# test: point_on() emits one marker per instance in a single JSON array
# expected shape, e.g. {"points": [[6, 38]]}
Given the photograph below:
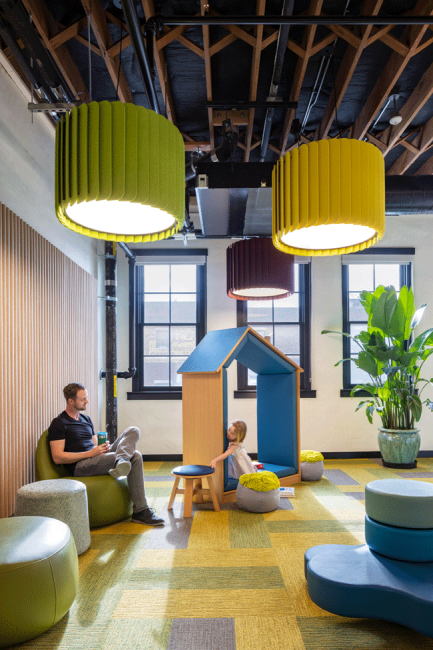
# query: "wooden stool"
{"points": [[191, 473]]}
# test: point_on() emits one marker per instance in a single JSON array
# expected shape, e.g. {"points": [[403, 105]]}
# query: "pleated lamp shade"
{"points": [[120, 173], [256, 270], [328, 198]]}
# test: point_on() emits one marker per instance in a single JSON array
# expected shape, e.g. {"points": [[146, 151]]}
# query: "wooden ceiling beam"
{"points": [[391, 73], [254, 77], [301, 66], [47, 28], [416, 101], [346, 70], [98, 22], [426, 169], [66, 33], [422, 142]]}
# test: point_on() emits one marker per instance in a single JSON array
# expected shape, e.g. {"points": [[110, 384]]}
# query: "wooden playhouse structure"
{"points": [[204, 405]]}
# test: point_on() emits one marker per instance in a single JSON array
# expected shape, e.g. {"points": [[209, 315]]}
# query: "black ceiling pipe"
{"points": [[283, 36], [134, 29], [408, 195], [172, 21]]}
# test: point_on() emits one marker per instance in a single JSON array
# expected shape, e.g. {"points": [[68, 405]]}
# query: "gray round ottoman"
{"points": [[62, 499], [38, 576]]}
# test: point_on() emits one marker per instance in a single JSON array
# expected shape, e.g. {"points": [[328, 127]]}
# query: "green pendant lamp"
{"points": [[120, 173]]}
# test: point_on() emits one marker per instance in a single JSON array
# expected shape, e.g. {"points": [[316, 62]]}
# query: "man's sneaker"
{"points": [[147, 517], [122, 468]]}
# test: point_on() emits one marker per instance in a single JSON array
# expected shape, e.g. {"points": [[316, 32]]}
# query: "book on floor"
{"points": [[287, 492]]}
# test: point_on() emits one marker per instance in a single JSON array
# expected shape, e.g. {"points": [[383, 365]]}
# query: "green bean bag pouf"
{"points": [[258, 492], [38, 576]]}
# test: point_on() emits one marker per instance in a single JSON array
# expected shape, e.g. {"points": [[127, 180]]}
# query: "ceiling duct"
{"points": [[235, 199]]}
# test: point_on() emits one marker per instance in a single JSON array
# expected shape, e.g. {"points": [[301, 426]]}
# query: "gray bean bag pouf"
{"points": [[262, 496]]}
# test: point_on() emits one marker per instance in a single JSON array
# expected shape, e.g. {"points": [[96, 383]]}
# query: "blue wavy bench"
{"points": [[359, 582]]}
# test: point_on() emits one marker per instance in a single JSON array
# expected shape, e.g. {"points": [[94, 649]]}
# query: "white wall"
{"points": [[27, 170], [328, 422]]}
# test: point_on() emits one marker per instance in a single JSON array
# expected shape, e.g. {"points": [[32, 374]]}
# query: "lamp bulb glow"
{"points": [[120, 217], [328, 236]]}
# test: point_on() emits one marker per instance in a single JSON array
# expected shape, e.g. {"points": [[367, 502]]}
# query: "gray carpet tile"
{"points": [[338, 477], [415, 474], [356, 495], [202, 634]]}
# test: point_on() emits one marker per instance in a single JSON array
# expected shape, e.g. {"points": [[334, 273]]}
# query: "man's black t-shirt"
{"points": [[77, 434]]}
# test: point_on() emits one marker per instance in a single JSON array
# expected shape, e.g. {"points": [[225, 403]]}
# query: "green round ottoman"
{"points": [[400, 502], [38, 576]]}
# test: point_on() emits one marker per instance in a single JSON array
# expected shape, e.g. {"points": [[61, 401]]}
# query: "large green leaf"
{"points": [[426, 338], [383, 310], [415, 406], [417, 317], [407, 302], [397, 322], [367, 363], [384, 352]]}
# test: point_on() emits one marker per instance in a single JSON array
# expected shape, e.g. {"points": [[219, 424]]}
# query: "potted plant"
{"points": [[394, 363]]}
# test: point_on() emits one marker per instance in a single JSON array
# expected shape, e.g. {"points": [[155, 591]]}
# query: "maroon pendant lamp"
{"points": [[256, 270]]}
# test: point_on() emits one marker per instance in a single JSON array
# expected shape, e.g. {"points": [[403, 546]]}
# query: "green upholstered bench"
{"points": [[108, 500], [38, 576]]}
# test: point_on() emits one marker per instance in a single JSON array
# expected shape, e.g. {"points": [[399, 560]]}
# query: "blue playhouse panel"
{"points": [[212, 350], [277, 421], [261, 359]]}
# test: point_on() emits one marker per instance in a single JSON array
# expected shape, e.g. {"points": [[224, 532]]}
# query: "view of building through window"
{"points": [[169, 321], [357, 278]]}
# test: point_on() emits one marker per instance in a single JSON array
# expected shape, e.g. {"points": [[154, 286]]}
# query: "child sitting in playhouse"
{"points": [[238, 460]]}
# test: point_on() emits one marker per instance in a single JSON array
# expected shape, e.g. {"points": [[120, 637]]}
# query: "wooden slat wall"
{"points": [[48, 338]]}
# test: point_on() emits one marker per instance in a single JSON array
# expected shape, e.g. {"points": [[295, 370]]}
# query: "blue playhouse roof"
{"points": [[220, 348]]}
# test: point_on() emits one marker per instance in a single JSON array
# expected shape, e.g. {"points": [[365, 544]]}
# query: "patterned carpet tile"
{"points": [[267, 633], [336, 633], [360, 496], [203, 603], [202, 634], [338, 477], [267, 577], [211, 558], [248, 530], [143, 634]]}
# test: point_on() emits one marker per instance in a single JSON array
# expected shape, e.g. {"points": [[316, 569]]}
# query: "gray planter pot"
{"points": [[399, 448]]}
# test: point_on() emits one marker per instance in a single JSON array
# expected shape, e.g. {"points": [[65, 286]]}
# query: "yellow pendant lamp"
{"points": [[120, 173], [328, 198]]}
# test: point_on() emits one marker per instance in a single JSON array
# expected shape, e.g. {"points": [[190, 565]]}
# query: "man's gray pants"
{"points": [[123, 447]]}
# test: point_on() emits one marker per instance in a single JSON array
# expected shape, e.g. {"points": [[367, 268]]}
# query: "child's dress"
{"points": [[239, 462]]}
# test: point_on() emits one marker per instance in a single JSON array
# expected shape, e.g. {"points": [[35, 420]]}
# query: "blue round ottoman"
{"points": [[400, 502], [38, 576]]}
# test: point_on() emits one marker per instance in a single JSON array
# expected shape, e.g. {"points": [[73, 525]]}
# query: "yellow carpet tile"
{"points": [[203, 603]]}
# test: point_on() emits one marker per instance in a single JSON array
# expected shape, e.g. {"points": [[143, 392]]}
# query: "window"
{"points": [[170, 312], [287, 322], [366, 271]]}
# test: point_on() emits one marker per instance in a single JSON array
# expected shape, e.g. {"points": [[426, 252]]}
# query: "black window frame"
{"points": [[379, 256], [136, 289], [244, 390]]}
